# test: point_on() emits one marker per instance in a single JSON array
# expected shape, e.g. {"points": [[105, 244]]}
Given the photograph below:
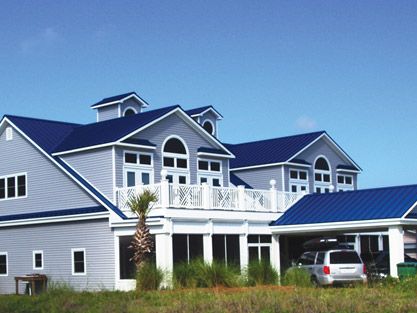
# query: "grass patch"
{"points": [[297, 277], [149, 277], [261, 273]]}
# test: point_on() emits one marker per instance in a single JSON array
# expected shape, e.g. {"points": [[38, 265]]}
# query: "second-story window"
{"points": [[175, 160], [13, 186], [210, 172], [344, 182], [298, 180], [322, 176], [138, 168]]}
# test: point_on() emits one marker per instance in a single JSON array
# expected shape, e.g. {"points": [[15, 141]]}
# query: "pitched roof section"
{"points": [[237, 181], [110, 130], [47, 134], [201, 110], [358, 205], [270, 151], [118, 98]]}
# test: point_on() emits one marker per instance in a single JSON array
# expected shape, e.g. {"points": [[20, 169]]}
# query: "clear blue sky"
{"points": [[272, 68]]}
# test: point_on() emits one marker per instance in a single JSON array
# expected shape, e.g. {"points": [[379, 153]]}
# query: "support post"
{"points": [[241, 197], [206, 196], [164, 256], [275, 254], [274, 199], [358, 244], [164, 190], [207, 248], [243, 247], [396, 248]]}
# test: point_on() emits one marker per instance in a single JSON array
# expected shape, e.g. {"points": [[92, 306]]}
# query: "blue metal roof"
{"points": [[47, 134], [358, 205], [109, 130], [140, 142], [237, 181], [200, 110], [54, 213], [213, 151], [346, 167], [117, 98], [271, 150]]}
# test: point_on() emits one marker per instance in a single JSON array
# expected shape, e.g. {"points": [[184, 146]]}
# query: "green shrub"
{"points": [[261, 273], [297, 277], [199, 274], [149, 277]]}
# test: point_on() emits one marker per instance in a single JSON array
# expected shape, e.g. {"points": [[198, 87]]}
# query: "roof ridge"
{"points": [[41, 119], [276, 138], [202, 107]]}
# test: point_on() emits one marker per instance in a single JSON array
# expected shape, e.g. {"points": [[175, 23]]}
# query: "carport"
{"points": [[390, 209]]}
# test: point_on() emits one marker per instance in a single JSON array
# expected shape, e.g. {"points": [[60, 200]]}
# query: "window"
{"points": [[210, 166], [209, 127], [210, 172], [187, 247], [226, 249], [322, 176], [38, 260], [174, 145], [344, 257], [135, 158], [9, 133], [138, 169], [259, 247], [78, 262], [320, 258], [13, 186], [175, 154], [3, 264], [129, 111], [344, 182], [298, 181]]}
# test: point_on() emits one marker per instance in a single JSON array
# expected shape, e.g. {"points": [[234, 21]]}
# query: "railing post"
{"points": [[241, 197], [164, 190], [274, 200], [206, 196]]}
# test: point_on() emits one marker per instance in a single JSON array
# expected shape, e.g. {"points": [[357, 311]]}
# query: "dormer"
{"points": [[119, 106], [207, 117]]}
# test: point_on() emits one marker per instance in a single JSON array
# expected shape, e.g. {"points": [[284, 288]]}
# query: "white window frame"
{"points": [[209, 174], [176, 171], [322, 184], [297, 181], [9, 133], [7, 263], [260, 244], [137, 167], [16, 186], [212, 125], [129, 108], [137, 153], [34, 253], [344, 186], [73, 264]]}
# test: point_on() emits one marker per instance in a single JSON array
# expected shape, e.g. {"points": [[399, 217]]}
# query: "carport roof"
{"points": [[377, 204]]}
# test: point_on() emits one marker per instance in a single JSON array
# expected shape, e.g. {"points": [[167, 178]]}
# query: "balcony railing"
{"points": [[211, 198]]}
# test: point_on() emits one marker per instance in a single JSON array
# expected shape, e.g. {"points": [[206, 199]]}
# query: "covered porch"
{"points": [[389, 211]]}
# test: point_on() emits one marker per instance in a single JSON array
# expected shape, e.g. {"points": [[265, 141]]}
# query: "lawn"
{"points": [[392, 297]]}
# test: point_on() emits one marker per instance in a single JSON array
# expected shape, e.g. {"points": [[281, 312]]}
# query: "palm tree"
{"points": [[142, 243]]}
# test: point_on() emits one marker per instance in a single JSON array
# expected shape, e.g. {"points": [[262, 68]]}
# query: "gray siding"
{"points": [[108, 112], [259, 178], [130, 103], [95, 166], [322, 147], [172, 125], [49, 188], [56, 241]]}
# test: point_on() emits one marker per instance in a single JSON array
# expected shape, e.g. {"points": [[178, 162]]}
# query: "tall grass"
{"points": [[149, 277], [297, 277], [261, 273]]}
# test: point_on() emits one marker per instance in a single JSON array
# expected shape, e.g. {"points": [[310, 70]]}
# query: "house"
{"points": [[64, 189]]}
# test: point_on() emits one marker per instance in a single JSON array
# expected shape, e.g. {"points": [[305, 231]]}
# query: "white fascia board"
{"points": [[57, 164], [55, 219], [224, 156], [131, 145], [144, 104], [257, 166], [219, 117], [336, 226], [340, 170], [297, 164]]}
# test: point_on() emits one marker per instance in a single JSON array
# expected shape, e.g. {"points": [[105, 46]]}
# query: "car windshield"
{"points": [[344, 257]]}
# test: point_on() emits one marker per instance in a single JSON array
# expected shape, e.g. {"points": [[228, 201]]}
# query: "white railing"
{"points": [[207, 197]]}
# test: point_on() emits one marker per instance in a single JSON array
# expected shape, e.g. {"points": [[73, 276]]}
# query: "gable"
{"points": [[48, 187]]}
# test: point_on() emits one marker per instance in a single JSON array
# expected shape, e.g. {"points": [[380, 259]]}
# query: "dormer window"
{"points": [[129, 111], [209, 127], [322, 175]]}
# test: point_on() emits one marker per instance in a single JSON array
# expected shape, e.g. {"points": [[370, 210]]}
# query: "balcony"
{"points": [[206, 197]]}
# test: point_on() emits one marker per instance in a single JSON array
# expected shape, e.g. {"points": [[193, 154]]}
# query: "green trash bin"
{"points": [[407, 269]]}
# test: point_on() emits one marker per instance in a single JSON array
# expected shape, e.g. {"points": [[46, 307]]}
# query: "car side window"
{"points": [[307, 258], [320, 258]]}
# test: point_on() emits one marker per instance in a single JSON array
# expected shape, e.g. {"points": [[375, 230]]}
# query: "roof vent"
{"points": [[9, 133]]}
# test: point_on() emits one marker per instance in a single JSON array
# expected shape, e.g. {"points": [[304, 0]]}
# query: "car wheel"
{"points": [[314, 281]]}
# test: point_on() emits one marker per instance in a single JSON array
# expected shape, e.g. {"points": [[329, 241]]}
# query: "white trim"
{"points": [[217, 155], [340, 170], [410, 209], [138, 164], [132, 145], [219, 117], [73, 250], [113, 171], [212, 126], [175, 156], [344, 186], [84, 149], [142, 102], [6, 189], [7, 263], [283, 178], [129, 108], [298, 164], [34, 259], [138, 174], [209, 161], [299, 183], [265, 165]]}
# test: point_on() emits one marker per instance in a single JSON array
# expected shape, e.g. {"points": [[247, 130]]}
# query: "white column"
{"points": [[358, 244], [243, 247], [396, 248], [164, 256], [274, 199], [241, 197], [164, 190], [206, 196], [207, 248], [380, 242], [275, 254]]}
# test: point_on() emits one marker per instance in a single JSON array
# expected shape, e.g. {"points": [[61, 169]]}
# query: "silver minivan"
{"points": [[335, 266]]}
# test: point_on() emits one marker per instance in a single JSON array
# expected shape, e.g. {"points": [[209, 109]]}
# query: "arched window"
{"points": [[175, 154], [322, 175], [208, 126], [129, 111], [174, 145]]}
